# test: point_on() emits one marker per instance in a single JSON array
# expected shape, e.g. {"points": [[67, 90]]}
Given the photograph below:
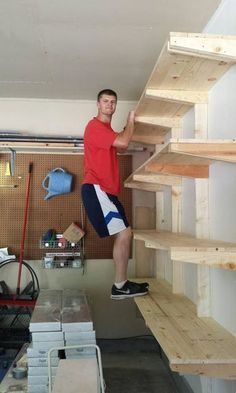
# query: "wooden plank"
{"points": [[196, 171], [216, 47], [223, 150], [202, 231], [148, 139], [140, 175], [193, 345], [143, 186], [190, 157], [160, 222], [224, 260], [36, 144], [202, 218], [56, 149], [186, 97], [170, 241], [166, 180], [201, 120], [159, 121], [144, 257], [181, 72], [188, 249], [177, 267], [149, 134]]}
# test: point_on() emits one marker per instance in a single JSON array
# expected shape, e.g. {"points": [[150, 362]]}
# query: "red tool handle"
{"points": [[22, 246]]}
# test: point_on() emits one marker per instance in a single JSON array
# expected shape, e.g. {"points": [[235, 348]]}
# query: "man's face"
{"points": [[107, 104]]}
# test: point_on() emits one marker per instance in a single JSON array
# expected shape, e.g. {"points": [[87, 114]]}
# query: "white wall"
{"points": [[222, 183], [54, 117]]}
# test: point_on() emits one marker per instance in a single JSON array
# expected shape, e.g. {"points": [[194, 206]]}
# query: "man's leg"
{"points": [[121, 251], [122, 287]]}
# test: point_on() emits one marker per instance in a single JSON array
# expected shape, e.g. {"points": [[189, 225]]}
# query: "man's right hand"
{"points": [[131, 117]]}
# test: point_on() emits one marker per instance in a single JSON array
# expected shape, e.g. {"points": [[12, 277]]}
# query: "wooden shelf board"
{"points": [[186, 248], [160, 121], [148, 139], [149, 134], [218, 150], [130, 183], [186, 70], [218, 47], [178, 96], [191, 157], [193, 345], [165, 180], [182, 168]]}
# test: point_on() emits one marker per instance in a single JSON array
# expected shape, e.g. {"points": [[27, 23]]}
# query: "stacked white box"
{"points": [[45, 328], [60, 318], [77, 324]]}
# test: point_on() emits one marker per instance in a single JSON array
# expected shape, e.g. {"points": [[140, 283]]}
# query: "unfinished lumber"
{"points": [[193, 345], [185, 97], [148, 177], [144, 257], [139, 185], [186, 70], [190, 157], [211, 46], [186, 248]]}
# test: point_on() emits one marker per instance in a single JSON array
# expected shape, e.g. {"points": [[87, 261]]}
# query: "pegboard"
{"points": [[56, 213]]}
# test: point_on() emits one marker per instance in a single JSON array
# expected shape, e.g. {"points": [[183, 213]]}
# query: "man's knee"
{"points": [[125, 235]]}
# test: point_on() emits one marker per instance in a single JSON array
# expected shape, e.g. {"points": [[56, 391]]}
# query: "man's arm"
{"points": [[123, 138]]}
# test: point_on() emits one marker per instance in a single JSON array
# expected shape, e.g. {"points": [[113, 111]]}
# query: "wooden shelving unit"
{"points": [[186, 70], [193, 345], [186, 248]]}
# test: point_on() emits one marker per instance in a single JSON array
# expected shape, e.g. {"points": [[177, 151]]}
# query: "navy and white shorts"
{"points": [[105, 212]]}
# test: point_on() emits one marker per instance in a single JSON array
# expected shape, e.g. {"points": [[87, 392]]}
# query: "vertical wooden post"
{"points": [[178, 284], [202, 217], [160, 259], [144, 257]]}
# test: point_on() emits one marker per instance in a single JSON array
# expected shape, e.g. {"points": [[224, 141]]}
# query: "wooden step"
{"points": [[193, 345], [186, 248]]}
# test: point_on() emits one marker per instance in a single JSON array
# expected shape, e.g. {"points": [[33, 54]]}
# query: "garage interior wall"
{"points": [[70, 117]]}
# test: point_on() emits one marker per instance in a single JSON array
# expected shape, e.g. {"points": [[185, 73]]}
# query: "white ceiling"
{"points": [[70, 49]]}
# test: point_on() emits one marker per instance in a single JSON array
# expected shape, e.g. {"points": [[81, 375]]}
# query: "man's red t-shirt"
{"points": [[100, 157]]}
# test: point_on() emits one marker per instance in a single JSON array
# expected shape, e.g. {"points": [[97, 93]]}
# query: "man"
{"points": [[101, 185]]}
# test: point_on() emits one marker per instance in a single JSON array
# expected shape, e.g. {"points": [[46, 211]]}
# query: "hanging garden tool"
{"points": [[22, 246], [27, 297]]}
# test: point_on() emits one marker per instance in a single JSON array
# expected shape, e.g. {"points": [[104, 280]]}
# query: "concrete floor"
{"points": [[135, 366]]}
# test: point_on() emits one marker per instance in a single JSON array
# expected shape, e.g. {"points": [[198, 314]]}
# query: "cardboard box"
{"points": [[73, 233]]}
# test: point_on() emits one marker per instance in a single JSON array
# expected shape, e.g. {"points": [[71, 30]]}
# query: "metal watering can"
{"points": [[57, 182]]}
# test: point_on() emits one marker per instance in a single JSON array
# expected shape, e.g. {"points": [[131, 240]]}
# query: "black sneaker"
{"points": [[129, 289], [143, 284]]}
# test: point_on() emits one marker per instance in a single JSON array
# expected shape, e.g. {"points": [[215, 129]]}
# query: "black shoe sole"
{"points": [[121, 297]]}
